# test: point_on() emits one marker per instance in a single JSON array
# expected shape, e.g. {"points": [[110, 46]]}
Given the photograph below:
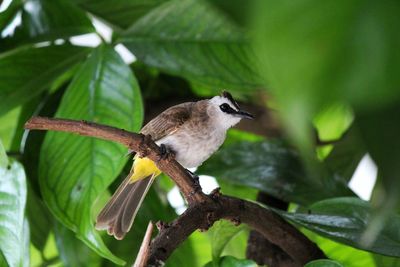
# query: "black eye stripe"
{"points": [[226, 108], [229, 96]]}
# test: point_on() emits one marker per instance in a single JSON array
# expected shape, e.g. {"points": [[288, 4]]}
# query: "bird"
{"points": [[192, 131]]}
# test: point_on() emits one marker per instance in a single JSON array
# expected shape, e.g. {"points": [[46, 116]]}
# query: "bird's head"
{"points": [[226, 110]]}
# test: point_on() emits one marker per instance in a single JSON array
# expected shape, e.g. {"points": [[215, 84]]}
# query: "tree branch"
{"points": [[203, 209]]}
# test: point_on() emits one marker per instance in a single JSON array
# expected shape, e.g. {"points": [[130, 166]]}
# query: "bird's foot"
{"points": [[196, 184], [166, 153]]}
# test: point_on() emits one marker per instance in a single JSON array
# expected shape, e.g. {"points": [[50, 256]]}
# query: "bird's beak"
{"points": [[245, 115]]}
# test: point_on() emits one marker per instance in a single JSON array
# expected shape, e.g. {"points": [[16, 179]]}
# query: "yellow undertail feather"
{"points": [[142, 168], [118, 214]]}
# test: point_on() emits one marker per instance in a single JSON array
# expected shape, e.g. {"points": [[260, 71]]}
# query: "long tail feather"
{"points": [[119, 213]]}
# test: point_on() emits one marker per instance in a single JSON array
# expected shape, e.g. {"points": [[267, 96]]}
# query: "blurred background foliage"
{"points": [[322, 78]]}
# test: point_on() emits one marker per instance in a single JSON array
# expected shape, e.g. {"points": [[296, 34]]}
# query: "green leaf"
{"points": [[13, 199], [346, 154], [323, 263], [190, 39], [74, 170], [272, 167], [384, 261], [8, 127], [3, 156], [229, 261], [316, 54], [39, 219], [73, 252], [121, 13], [346, 255], [345, 220], [28, 71], [8, 15], [379, 129], [220, 235], [39, 22]]}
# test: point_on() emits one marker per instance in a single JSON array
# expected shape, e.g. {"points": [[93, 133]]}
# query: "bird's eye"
{"points": [[224, 107]]}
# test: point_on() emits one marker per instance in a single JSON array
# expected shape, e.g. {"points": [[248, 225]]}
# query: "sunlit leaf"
{"points": [[345, 220], [26, 72], [13, 233], [190, 39], [220, 234], [75, 170]]}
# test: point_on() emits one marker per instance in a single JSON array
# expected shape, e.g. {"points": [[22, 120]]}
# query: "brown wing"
{"points": [[168, 121]]}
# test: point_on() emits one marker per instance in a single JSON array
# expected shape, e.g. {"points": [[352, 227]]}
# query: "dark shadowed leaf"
{"points": [[346, 154], [237, 10], [39, 23], [74, 170], [380, 129], [28, 71], [39, 217], [345, 220], [13, 233], [189, 38], [323, 263], [272, 167], [73, 252], [120, 13]]}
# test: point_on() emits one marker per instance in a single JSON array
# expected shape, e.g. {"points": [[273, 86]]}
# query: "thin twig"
{"points": [[144, 251]]}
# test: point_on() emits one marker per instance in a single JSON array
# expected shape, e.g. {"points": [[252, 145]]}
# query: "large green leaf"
{"points": [[316, 53], [47, 20], [121, 13], [345, 220], [190, 39], [271, 167], [13, 233], [75, 170], [28, 71]]}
